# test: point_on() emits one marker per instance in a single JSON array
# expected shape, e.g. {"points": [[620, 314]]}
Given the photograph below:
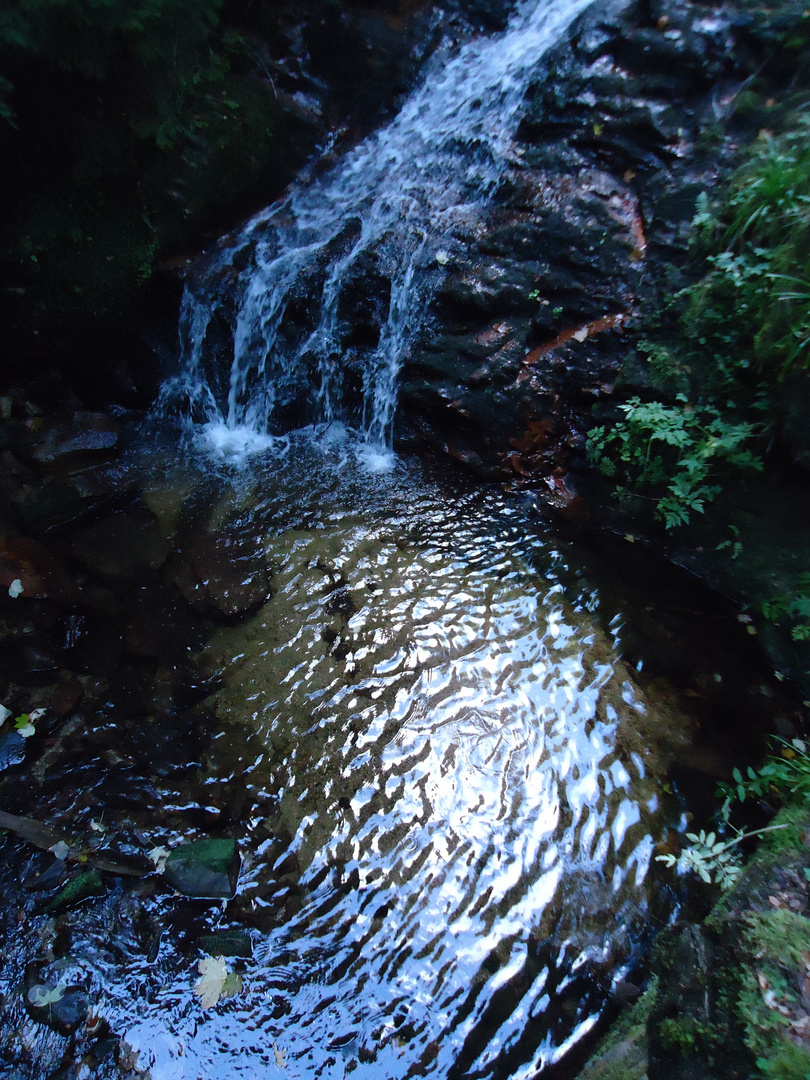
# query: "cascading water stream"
{"points": [[266, 323]]}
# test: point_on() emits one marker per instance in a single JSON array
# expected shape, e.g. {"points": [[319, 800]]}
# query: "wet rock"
{"points": [[206, 869], [39, 668], [95, 643], [12, 750], [40, 575], [123, 545], [87, 885], [228, 943], [65, 696], [44, 874], [64, 1009], [76, 442], [599, 195]]}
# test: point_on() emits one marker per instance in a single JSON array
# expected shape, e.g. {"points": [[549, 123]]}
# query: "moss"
{"points": [[685, 1033], [793, 838], [770, 1002], [622, 1054]]}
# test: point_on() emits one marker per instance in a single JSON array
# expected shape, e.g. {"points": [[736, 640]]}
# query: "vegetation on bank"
{"points": [[725, 371], [742, 334]]}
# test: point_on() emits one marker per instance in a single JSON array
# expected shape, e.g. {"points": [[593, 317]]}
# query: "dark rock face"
{"points": [[530, 323]]}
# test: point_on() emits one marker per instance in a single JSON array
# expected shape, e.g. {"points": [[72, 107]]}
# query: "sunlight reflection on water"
{"points": [[461, 767]]}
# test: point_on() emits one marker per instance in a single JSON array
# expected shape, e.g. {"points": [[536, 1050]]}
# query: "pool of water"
{"points": [[445, 752], [455, 781]]}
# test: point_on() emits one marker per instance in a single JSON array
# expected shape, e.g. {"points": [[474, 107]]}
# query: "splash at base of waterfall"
{"points": [[334, 443]]}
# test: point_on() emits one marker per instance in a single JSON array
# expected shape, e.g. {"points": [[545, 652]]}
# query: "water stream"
{"points": [[458, 772]]}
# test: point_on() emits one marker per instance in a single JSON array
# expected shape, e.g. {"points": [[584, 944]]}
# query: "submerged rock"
{"points": [[87, 885], [122, 545], [205, 869], [222, 574], [64, 1009]]}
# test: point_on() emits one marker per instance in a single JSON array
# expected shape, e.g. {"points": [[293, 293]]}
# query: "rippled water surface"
{"points": [[455, 780]]}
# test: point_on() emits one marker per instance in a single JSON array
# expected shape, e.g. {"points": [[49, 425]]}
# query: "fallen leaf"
{"points": [[24, 726], [40, 995], [15, 589], [215, 981], [213, 973], [159, 855], [60, 850]]}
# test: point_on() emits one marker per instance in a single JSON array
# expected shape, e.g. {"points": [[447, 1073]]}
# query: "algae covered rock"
{"points": [[205, 869]]}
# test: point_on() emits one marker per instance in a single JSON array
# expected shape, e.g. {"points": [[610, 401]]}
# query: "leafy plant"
{"points": [[794, 607], [786, 774], [755, 299], [714, 861], [673, 451]]}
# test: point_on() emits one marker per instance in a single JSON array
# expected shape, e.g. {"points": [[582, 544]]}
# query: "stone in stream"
{"points": [[64, 1009], [12, 749], [123, 545], [83, 439], [205, 869], [88, 885], [222, 574]]}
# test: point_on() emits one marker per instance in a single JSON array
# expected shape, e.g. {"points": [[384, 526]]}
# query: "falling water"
{"points": [[266, 324]]}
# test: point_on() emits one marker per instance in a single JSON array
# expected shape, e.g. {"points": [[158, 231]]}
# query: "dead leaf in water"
{"points": [[40, 995], [215, 981]]}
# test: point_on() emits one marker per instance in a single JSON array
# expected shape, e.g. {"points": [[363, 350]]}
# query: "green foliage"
{"points": [[784, 774], [753, 306], [121, 126], [713, 860], [685, 1034], [795, 608], [672, 451]]}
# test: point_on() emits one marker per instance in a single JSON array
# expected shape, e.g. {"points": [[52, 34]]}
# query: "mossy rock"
{"points": [[205, 869], [622, 1054], [734, 993]]}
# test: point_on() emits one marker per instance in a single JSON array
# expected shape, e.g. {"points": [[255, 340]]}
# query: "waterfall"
{"points": [[271, 337]]}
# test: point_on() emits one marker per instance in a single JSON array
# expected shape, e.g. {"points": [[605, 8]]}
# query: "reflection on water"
{"points": [[456, 777]]}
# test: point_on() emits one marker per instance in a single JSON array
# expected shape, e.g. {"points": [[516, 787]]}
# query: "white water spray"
{"points": [[266, 327]]}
